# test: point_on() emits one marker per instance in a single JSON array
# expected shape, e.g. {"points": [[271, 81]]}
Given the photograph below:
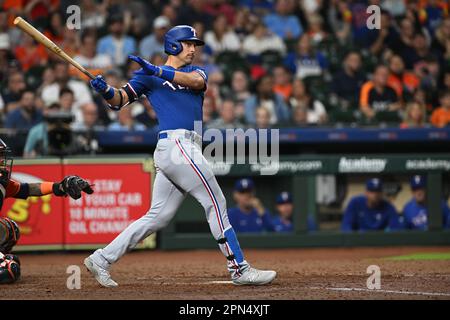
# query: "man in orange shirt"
{"points": [[376, 95], [403, 82], [283, 84], [441, 116]]}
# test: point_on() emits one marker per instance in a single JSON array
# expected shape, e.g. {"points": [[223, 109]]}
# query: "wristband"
{"points": [[46, 188], [108, 94], [166, 74], [57, 191]]}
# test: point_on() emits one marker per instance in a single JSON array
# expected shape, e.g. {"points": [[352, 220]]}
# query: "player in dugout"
{"points": [[370, 211], [416, 212]]}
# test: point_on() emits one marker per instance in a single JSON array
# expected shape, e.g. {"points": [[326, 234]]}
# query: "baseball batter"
{"points": [[176, 92]]}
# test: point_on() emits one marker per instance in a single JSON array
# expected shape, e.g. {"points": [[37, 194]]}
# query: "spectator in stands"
{"points": [[37, 139], [126, 122], [315, 30], [50, 93], [192, 11], [441, 116], [221, 7], [441, 42], [385, 37], [261, 40], [403, 82], [154, 43], [12, 93], [239, 92], [94, 14], [227, 117], [66, 99], [339, 18], [283, 82], [30, 53], [70, 43], [370, 211], [302, 98], [207, 110], [148, 116], [90, 118], [243, 24], [376, 95], [305, 62], [431, 13], [415, 116], [265, 97], [222, 37], [415, 211], [249, 215], [26, 115], [283, 23], [55, 30], [419, 54], [95, 63], [347, 82], [116, 44], [299, 117], [262, 116]]}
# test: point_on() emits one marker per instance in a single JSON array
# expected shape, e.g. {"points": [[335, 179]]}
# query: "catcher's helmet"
{"points": [[6, 159], [173, 38]]}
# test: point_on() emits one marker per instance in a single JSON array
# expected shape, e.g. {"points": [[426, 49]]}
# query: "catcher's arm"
{"points": [[71, 186]]}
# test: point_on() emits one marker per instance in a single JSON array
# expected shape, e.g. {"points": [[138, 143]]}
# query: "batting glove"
{"points": [[99, 84], [147, 67]]}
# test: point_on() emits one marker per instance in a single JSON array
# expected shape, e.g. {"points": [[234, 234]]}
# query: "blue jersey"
{"points": [[176, 107], [416, 215], [358, 216], [282, 225], [249, 222]]}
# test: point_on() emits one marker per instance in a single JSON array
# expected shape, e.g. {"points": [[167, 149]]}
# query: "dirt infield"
{"points": [[302, 274]]}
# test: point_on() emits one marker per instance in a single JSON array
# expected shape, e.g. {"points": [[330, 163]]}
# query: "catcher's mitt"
{"points": [[9, 234], [72, 186]]}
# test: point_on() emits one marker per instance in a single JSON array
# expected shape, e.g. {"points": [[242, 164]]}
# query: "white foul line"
{"points": [[388, 291]]}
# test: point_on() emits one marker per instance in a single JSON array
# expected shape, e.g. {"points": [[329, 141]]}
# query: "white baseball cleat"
{"points": [[255, 277], [101, 275]]}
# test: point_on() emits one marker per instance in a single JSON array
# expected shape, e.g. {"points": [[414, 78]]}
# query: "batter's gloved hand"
{"points": [[99, 84], [147, 68], [72, 186]]}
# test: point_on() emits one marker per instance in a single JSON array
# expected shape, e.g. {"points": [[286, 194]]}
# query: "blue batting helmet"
{"points": [[173, 38]]}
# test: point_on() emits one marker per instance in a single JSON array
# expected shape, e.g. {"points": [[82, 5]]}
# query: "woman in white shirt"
{"points": [[222, 38], [263, 40], [316, 112]]}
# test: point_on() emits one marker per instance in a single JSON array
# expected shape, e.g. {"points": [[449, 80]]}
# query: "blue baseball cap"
{"points": [[284, 197], [418, 182], [374, 185], [244, 185]]}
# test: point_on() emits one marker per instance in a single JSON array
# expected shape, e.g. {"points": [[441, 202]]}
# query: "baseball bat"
{"points": [[50, 45]]}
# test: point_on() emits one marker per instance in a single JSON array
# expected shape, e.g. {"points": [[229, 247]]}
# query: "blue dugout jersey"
{"points": [[359, 217], [416, 215], [250, 222]]}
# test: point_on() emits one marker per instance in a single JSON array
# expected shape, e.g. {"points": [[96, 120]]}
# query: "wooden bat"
{"points": [[50, 45]]}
